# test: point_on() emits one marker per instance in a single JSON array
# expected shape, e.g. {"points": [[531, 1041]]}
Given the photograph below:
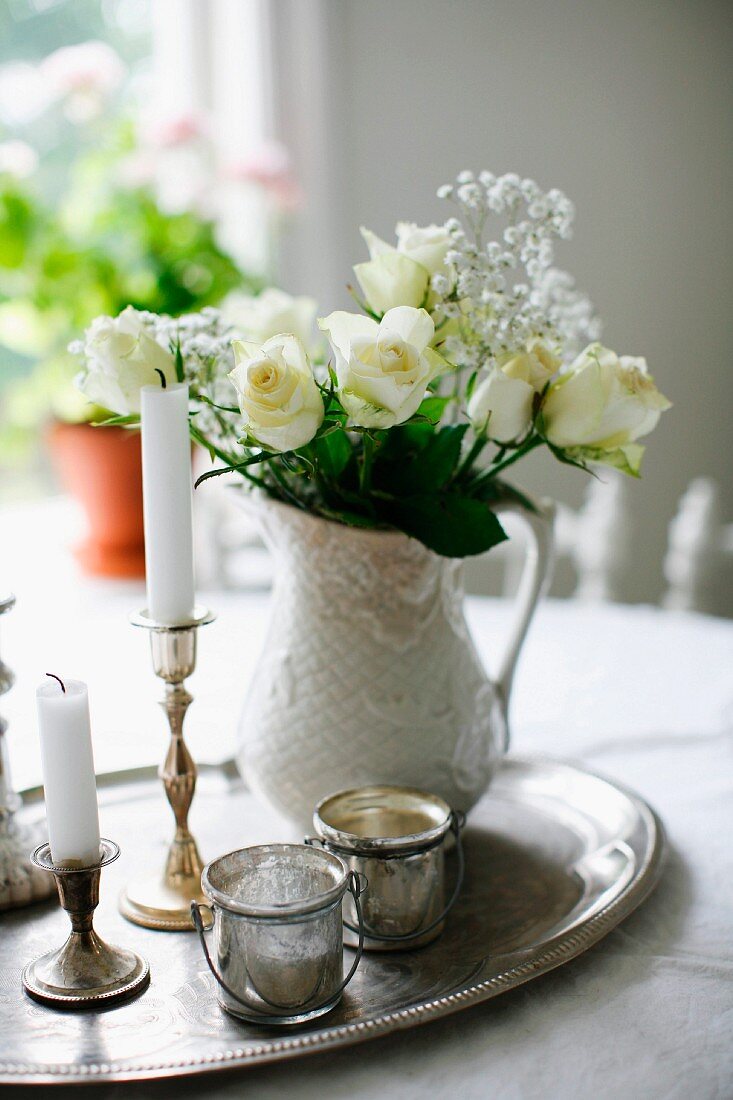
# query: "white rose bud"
{"points": [[601, 406], [502, 403], [121, 357], [383, 368], [427, 245], [400, 276], [536, 365], [280, 401], [392, 280], [262, 316], [501, 407]]}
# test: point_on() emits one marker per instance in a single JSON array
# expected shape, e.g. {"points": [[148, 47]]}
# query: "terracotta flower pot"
{"points": [[102, 469]]}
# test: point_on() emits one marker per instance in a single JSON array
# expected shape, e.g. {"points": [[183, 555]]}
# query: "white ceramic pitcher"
{"points": [[368, 672]]}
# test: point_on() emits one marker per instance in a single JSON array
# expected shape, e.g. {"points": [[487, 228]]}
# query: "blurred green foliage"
{"points": [[104, 245]]}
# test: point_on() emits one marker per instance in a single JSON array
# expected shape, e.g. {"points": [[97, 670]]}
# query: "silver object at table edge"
{"points": [[556, 858]]}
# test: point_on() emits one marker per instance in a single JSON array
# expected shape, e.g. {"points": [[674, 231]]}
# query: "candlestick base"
{"points": [[117, 974], [164, 902], [153, 903], [86, 972]]}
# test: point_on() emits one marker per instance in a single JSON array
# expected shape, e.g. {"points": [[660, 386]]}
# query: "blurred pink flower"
{"points": [[88, 67], [268, 167], [84, 76], [174, 130]]}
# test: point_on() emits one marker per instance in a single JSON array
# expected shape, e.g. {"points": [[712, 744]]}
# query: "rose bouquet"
{"points": [[469, 350]]}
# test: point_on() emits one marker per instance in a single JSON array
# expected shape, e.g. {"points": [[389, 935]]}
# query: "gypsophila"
{"points": [[570, 312], [504, 291]]}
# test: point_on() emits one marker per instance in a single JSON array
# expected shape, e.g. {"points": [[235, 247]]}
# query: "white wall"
{"points": [[625, 105]]}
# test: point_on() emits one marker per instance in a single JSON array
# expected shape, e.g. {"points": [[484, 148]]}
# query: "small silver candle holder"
{"points": [[20, 882], [86, 972], [163, 901]]}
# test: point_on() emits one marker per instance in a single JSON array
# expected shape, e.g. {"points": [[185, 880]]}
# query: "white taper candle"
{"points": [[68, 771], [168, 502]]}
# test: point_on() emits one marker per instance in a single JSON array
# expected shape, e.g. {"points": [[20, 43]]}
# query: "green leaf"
{"points": [[432, 408], [449, 523], [494, 491], [179, 362], [333, 452], [197, 437], [436, 464], [298, 463], [253, 460], [118, 421], [471, 384], [567, 460], [207, 401], [401, 446]]}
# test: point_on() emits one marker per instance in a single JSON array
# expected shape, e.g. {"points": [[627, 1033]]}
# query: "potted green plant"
{"points": [[103, 239]]}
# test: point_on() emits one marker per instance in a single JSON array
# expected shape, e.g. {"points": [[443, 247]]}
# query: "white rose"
{"points": [[121, 357], [501, 405], [278, 396], [601, 406], [383, 368], [401, 276], [262, 316]]}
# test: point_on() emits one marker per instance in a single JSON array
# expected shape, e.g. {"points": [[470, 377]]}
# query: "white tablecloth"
{"points": [[642, 695]]}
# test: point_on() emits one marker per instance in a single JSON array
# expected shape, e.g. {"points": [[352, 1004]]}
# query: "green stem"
{"points": [[365, 473], [227, 459], [499, 467], [478, 445], [282, 482], [199, 437]]}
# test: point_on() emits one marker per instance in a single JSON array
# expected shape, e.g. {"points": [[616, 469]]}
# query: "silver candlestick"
{"points": [[21, 882], [86, 972], [163, 900]]}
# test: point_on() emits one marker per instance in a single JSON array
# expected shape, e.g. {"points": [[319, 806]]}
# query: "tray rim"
{"points": [[557, 951]]}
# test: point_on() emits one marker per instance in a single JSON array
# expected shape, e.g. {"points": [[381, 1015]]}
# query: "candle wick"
{"points": [[162, 377], [55, 677]]}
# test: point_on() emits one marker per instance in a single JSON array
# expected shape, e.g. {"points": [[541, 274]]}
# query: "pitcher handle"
{"points": [[533, 584]]}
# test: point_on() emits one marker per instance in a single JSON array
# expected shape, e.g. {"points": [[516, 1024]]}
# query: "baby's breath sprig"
{"points": [[505, 291]]}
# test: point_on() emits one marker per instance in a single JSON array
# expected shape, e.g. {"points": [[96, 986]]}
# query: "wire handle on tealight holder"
{"points": [[256, 1015], [458, 821]]}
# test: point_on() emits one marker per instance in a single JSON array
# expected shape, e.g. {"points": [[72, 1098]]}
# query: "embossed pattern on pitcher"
{"points": [[368, 672]]}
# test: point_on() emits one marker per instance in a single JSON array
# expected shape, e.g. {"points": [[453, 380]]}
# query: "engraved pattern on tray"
{"points": [[556, 857]]}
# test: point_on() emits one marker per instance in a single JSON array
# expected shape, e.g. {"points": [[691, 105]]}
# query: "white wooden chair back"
{"points": [[699, 549]]}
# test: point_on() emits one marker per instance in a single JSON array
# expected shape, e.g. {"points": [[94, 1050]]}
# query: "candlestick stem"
{"points": [[178, 774], [164, 901]]}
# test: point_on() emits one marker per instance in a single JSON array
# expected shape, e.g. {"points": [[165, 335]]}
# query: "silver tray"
{"points": [[556, 857]]}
